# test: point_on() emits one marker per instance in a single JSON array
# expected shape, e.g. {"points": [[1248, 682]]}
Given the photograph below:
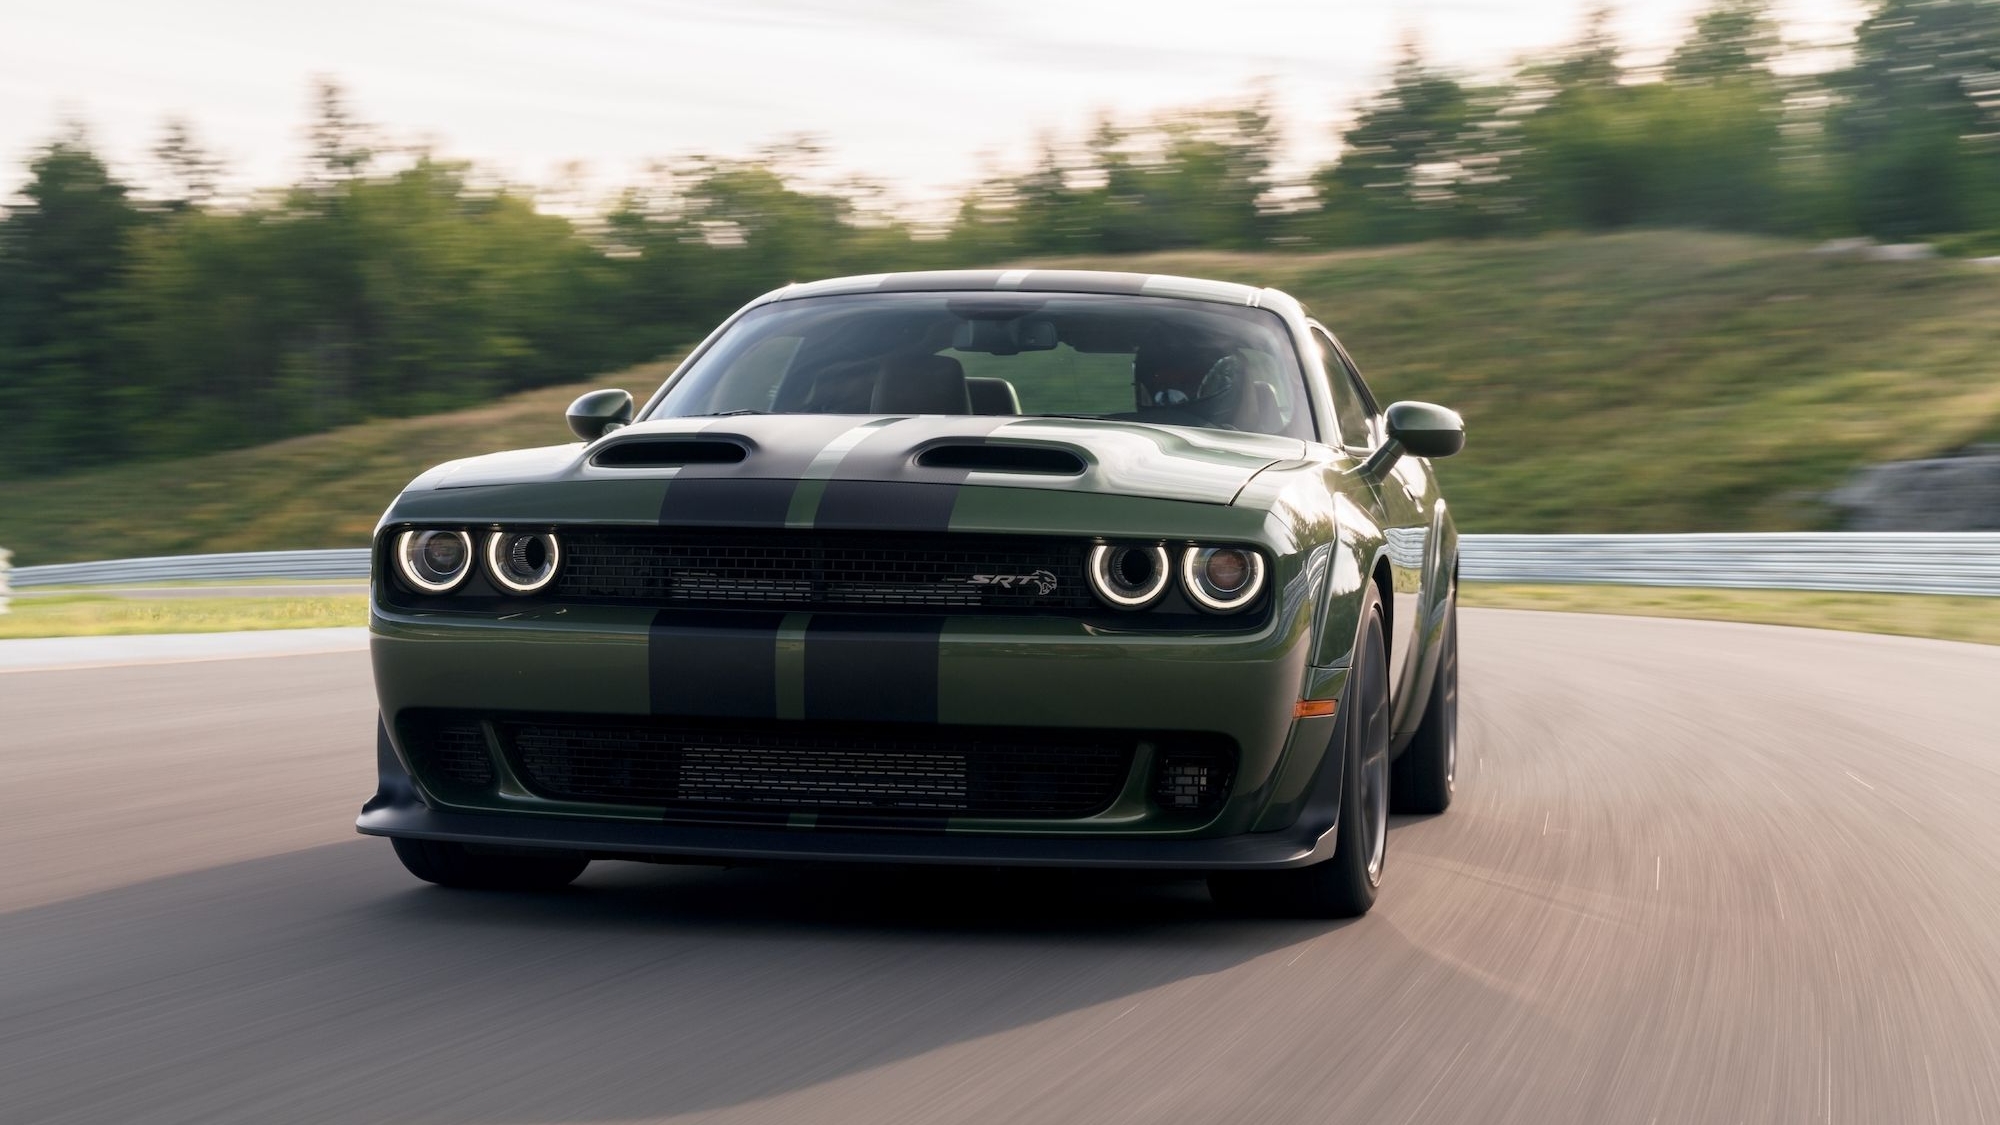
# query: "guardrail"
{"points": [[343, 562], [1913, 563], [1879, 562], [5, 555]]}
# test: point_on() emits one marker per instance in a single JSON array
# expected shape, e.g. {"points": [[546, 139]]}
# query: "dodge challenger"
{"points": [[1034, 567]]}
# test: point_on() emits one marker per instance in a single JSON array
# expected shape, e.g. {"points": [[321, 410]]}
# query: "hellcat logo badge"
{"points": [[1043, 582]]}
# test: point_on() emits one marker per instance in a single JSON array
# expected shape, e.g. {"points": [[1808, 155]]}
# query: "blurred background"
{"points": [[1683, 266]]}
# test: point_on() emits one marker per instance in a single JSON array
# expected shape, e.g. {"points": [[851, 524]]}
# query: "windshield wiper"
{"points": [[727, 413]]}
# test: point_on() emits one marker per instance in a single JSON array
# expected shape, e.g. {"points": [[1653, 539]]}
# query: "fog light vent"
{"points": [[1192, 782], [461, 755], [448, 756]]}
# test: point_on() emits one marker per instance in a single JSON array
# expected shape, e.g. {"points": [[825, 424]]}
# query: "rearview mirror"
{"points": [[1425, 429], [598, 413]]}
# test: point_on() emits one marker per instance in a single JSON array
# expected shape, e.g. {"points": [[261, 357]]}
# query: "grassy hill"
{"points": [[1661, 381]]}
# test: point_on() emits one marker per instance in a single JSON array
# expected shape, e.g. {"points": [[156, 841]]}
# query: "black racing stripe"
{"points": [[700, 499], [785, 443], [718, 664], [872, 669], [875, 505], [877, 487], [756, 492], [886, 454]]}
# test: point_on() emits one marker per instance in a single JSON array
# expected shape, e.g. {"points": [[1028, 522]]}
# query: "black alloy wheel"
{"points": [[1425, 777], [1344, 884]]}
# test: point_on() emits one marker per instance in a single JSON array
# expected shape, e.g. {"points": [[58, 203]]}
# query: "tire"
{"points": [[1422, 780], [455, 865], [1344, 884]]}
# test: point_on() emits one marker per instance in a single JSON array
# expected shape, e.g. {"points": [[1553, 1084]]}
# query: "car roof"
{"points": [[1044, 281]]}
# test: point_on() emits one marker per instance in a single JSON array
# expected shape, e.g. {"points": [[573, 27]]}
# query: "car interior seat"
{"points": [[1266, 415], [992, 396], [1261, 409], [921, 384]]}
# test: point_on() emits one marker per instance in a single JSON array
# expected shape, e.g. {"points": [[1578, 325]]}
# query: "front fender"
{"points": [[1358, 544], [1441, 589]]}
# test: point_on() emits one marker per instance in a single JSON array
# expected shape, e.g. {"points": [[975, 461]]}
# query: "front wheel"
{"points": [[1423, 779], [1344, 884], [455, 865]]}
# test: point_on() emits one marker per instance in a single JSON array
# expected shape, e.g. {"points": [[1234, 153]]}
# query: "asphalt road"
{"points": [[1697, 873]]}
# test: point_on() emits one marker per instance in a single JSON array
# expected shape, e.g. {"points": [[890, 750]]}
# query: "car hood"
{"points": [[1127, 458]]}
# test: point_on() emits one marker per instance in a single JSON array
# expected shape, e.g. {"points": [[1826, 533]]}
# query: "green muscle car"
{"points": [[1033, 567]]}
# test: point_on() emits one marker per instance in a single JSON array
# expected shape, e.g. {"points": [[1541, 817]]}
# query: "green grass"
{"points": [[1659, 381], [1908, 615], [95, 615]]}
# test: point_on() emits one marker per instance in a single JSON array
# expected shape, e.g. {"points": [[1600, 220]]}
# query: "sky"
{"points": [[923, 95]]}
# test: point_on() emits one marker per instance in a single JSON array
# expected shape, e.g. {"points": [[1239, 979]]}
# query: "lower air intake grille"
{"points": [[1193, 781], [452, 754], [792, 767]]}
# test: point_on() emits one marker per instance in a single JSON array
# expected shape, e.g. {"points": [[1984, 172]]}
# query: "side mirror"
{"points": [[1425, 429], [598, 413]]}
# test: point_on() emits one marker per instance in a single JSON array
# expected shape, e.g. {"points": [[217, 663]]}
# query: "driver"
{"points": [[1175, 373]]}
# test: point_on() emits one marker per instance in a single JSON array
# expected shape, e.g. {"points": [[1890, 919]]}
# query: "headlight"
{"points": [[433, 562], [1222, 579], [522, 562], [1128, 576]]}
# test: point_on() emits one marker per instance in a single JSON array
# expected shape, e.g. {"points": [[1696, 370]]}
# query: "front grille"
{"points": [[807, 570], [780, 767]]}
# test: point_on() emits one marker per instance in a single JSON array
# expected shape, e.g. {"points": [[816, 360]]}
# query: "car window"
{"points": [[1158, 360], [1350, 404], [1061, 380], [758, 373]]}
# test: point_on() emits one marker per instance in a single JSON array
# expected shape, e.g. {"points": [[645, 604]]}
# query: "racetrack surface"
{"points": [[1696, 873]]}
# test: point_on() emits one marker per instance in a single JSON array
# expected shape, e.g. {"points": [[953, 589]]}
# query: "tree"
{"points": [[1181, 179], [187, 171], [1403, 158], [1591, 63], [63, 251], [1918, 120], [1732, 40], [338, 146]]}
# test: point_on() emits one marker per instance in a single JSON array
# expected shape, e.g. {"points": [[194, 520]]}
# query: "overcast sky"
{"points": [[924, 94]]}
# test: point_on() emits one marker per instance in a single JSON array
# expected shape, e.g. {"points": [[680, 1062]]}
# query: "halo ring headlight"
{"points": [[1222, 579], [522, 562], [1129, 576], [431, 561]]}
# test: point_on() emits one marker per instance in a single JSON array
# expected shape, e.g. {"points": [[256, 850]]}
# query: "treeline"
{"points": [[145, 324]]}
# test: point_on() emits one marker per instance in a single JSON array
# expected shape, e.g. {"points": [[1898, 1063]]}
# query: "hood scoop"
{"points": [[1045, 460], [667, 453]]}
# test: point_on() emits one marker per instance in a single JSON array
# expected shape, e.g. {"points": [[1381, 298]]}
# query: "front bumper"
{"points": [[626, 840], [399, 810]]}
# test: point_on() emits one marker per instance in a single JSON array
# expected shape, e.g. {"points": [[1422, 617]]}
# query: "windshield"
{"points": [[1144, 359]]}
